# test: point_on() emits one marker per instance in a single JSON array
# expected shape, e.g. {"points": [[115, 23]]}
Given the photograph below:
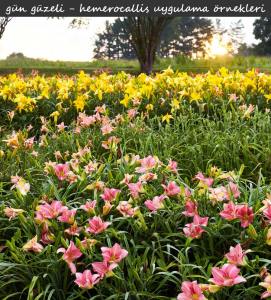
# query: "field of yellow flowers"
{"points": [[135, 187]]}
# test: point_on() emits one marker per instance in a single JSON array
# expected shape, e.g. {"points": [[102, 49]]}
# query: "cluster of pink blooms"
{"points": [[147, 165], [220, 193], [106, 125], [230, 211], [205, 181], [170, 190], [226, 276], [194, 229], [87, 279], [242, 212], [223, 193], [56, 210]]}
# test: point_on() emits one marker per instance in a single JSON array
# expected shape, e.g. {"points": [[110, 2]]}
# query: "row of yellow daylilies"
{"points": [[25, 93]]}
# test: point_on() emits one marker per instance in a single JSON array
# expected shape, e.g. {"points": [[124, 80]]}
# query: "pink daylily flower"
{"points": [[236, 255], [147, 163], [86, 280], [49, 211], [229, 211], [97, 225], [126, 209], [74, 230], [127, 178], [191, 291], [218, 194], [172, 166], [191, 208], [226, 276], [132, 113], [12, 213], [71, 254], [100, 109], [135, 189], [62, 171], [89, 206], [114, 254], [106, 129], [110, 194], [245, 214], [67, 216], [111, 142], [171, 189], [20, 184], [194, 230], [148, 177], [233, 190], [205, 180], [156, 203], [29, 143], [90, 167], [267, 210], [33, 245], [61, 127], [266, 284], [46, 236], [85, 121], [187, 193], [103, 268]]}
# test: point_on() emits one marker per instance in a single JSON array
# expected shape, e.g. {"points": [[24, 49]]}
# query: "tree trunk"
{"points": [[145, 33], [147, 64]]}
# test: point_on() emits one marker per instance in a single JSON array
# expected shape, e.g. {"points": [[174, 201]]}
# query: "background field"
{"points": [[241, 63]]}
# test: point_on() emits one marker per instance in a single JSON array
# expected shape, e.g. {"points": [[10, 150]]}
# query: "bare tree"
{"points": [[3, 24]]}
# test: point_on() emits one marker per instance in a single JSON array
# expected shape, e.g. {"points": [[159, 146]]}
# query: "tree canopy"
{"points": [[180, 35], [262, 32]]}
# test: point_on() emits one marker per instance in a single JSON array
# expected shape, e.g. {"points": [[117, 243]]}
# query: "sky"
{"points": [[53, 39]]}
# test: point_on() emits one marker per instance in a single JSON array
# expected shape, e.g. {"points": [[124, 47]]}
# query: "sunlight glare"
{"points": [[217, 47]]}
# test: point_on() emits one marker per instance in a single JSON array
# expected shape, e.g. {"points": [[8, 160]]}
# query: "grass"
{"points": [[177, 63]]}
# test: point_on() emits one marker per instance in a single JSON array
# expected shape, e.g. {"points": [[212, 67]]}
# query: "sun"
{"points": [[217, 47]]}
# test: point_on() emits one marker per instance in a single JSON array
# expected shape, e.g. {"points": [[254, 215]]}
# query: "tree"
{"points": [[183, 35], [187, 36], [113, 42], [236, 36], [145, 35], [3, 24], [16, 55], [262, 32], [246, 50], [104, 45]]}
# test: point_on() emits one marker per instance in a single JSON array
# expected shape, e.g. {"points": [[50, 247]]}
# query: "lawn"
{"points": [[132, 66], [135, 187]]}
